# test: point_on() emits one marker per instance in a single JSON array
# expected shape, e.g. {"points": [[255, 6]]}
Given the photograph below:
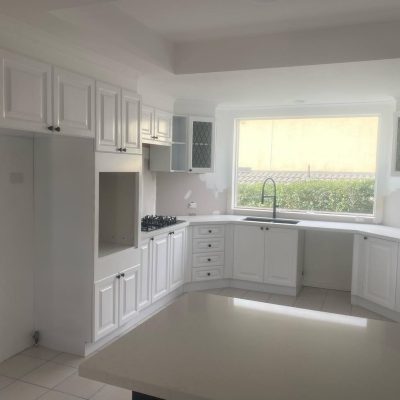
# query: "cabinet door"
{"points": [[131, 142], [248, 253], [163, 126], [201, 145], [105, 307], [25, 93], [128, 294], [177, 258], [147, 123], [281, 247], [381, 272], [73, 103], [160, 267], [145, 275], [108, 117]]}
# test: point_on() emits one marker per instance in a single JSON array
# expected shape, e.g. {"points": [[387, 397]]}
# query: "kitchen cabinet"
{"points": [[156, 126], [160, 253], [281, 256], [108, 121], [73, 104], [249, 244], [25, 93], [177, 259], [267, 254], [375, 267], [145, 276], [130, 129], [105, 307], [115, 301]]}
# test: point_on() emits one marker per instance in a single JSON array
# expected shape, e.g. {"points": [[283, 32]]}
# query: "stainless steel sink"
{"points": [[272, 220]]}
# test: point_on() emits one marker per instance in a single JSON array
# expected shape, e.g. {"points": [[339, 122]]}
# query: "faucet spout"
{"points": [[273, 197]]}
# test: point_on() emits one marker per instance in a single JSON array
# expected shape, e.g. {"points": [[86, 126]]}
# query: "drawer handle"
{"points": [[209, 259], [209, 245]]}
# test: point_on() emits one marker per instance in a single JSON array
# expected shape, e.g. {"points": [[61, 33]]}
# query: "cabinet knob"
{"points": [[118, 276], [262, 228], [267, 229], [119, 149], [365, 237], [156, 137], [124, 149], [209, 245], [210, 231], [50, 128], [152, 239], [122, 274], [209, 259], [208, 273], [57, 128], [190, 170]]}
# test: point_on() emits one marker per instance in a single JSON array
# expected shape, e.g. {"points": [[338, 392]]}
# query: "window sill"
{"points": [[360, 219]]}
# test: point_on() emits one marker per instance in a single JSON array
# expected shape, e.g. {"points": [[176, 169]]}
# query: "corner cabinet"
{"points": [[266, 254], [375, 270]]}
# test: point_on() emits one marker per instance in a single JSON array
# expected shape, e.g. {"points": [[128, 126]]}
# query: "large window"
{"points": [[324, 165]]}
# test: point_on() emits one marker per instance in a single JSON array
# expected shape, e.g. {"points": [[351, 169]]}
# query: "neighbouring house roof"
{"points": [[250, 176]]}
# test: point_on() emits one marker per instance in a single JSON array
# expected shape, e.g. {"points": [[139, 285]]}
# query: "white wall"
{"points": [[149, 185], [16, 244]]}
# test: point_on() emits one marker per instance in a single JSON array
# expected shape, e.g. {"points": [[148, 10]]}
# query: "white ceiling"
{"points": [[321, 84], [198, 20]]}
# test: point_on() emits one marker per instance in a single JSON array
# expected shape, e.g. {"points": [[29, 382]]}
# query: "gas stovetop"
{"points": [[154, 222]]}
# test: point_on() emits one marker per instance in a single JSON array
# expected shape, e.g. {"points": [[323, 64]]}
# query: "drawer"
{"points": [[206, 274], [208, 245], [208, 259], [201, 231]]}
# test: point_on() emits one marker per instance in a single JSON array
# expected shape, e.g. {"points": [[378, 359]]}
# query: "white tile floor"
{"points": [[40, 373]]}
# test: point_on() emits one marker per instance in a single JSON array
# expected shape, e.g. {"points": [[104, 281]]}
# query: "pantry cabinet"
{"points": [[73, 104], [25, 93], [375, 266], [267, 254], [115, 301]]}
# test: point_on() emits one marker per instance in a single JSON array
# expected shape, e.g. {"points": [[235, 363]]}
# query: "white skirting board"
{"points": [[358, 301]]}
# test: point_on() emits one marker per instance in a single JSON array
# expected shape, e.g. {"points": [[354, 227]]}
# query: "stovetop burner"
{"points": [[154, 222]]}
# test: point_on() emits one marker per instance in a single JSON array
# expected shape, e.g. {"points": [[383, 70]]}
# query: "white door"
{"points": [[160, 266], [381, 272], [105, 306], [25, 93], [248, 262], [163, 126], [108, 117], [128, 294], [201, 145], [73, 103], [177, 258], [147, 123], [281, 247], [131, 142], [145, 275]]}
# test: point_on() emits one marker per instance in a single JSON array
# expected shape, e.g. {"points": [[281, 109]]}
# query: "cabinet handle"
{"points": [[208, 273], [209, 245], [118, 276], [119, 149], [210, 231], [124, 149], [50, 128], [152, 239], [209, 259], [57, 128], [190, 170], [156, 137], [267, 229], [262, 228], [122, 274], [365, 237]]}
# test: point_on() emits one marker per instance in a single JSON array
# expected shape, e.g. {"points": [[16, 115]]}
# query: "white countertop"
{"points": [[219, 348]]}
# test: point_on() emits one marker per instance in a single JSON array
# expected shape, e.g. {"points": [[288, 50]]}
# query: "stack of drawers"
{"points": [[208, 252]]}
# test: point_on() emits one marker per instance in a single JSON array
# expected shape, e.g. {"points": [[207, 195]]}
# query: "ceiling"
{"points": [[198, 20], [368, 81]]}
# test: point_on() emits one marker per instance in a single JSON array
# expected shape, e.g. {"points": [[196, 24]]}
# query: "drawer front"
{"points": [[202, 231], [208, 259], [206, 274], [208, 245]]}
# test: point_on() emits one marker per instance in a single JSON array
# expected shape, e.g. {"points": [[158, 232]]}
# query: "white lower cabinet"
{"points": [[144, 276], [177, 259], [115, 302], [375, 267], [160, 266], [265, 254]]}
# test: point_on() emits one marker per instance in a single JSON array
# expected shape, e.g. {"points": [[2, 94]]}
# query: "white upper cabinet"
{"points": [[73, 97], [108, 121], [147, 123], [380, 271], [130, 140], [248, 253], [25, 88], [201, 145], [177, 259], [281, 256], [128, 294], [163, 126]]}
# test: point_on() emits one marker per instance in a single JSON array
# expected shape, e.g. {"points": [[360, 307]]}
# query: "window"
{"points": [[320, 165]]}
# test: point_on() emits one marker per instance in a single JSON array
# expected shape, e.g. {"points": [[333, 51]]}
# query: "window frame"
{"points": [[377, 215]]}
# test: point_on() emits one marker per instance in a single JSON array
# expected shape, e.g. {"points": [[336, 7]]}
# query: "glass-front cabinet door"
{"points": [[201, 145]]}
